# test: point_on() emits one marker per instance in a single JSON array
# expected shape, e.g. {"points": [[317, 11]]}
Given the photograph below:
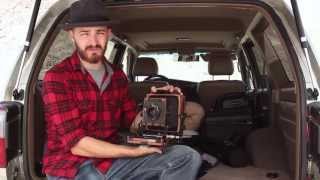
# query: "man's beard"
{"points": [[95, 58]]}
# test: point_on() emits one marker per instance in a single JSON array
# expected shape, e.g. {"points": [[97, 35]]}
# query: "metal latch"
{"points": [[309, 167]]}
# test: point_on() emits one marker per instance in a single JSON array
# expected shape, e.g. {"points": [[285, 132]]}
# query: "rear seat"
{"points": [[209, 91], [227, 107], [144, 67]]}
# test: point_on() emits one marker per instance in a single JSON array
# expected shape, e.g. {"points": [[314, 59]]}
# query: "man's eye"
{"points": [[83, 34], [101, 33]]}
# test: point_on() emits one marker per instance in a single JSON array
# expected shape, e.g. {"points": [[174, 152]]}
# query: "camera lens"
{"points": [[153, 112]]}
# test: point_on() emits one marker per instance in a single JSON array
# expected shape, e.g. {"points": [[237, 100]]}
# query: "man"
{"points": [[86, 102]]}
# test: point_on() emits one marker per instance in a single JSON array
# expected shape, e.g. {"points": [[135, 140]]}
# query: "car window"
{"points": [[61, 48], [110, 51], [246, 72], [278, 52], [125, 62], [195, 71]]}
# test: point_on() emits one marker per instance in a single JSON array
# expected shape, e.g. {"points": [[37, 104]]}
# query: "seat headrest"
{"points": [[219, 64], [145, 66]]}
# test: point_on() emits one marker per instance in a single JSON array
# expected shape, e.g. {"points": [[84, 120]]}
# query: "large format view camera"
{"points": [[163, 115]]}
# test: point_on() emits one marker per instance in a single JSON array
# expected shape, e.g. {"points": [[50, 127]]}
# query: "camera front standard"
{"points": [[163, 115]]}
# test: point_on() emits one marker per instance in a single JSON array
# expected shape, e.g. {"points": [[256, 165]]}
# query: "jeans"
{"points": [[177, 162]]}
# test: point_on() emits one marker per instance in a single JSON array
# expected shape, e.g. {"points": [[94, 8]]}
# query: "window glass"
{"points": [[235, 76], [279, 53], [246, 72], [61, 48], [249, 74], [125, 62], [110, 51], [259, 59], [195, 71]]}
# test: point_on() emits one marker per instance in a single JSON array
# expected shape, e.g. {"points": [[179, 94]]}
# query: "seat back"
{"points": [[228, 109], [209, 91], [144, 67], [139, 90]]}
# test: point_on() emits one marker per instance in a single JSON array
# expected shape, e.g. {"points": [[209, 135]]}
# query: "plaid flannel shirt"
{"points": [[75, 107]]}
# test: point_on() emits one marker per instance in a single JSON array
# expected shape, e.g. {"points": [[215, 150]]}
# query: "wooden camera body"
{"points": [[163, 115]]}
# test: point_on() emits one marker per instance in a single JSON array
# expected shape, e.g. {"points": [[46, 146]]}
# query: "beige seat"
{"points": [[209, 91], [144, 67]]}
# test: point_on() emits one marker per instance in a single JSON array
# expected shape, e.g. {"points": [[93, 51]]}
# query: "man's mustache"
{"points": [[90, 47]]}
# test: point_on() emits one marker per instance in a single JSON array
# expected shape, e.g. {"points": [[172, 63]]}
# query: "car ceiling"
{"points": [[154, 27]]}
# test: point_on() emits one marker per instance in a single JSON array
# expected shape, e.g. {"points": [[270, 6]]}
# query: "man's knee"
{"points": [[185, 151]]}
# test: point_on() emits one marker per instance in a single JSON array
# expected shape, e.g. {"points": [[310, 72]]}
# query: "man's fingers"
{"points": [[153, 89], [168, 88], [149, 150], [156, 150], [178, 90], [171, 89], [135, 124]]}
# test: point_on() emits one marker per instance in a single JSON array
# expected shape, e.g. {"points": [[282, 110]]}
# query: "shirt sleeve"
{"points": [[129, 107], [61, 113]]}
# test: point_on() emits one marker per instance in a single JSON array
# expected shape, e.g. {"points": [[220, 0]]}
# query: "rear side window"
{"points": [[277, 51], [61, 48], [266, 56]]}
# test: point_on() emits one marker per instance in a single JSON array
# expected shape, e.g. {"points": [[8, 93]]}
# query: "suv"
{"points": [[241, 60]]}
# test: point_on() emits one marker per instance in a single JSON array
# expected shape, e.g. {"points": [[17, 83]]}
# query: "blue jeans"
{"points": [[177, 162]]}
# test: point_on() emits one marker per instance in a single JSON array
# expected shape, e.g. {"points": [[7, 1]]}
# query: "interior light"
{"points": [[183, 39]]}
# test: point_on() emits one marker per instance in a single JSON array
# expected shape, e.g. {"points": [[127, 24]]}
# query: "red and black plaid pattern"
{"points": [[75, 107]]}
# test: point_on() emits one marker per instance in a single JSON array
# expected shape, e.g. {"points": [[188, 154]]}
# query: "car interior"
{"points": [[230, 58]]}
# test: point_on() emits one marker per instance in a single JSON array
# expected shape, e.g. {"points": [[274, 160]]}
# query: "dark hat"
{"points": [[87, 13]]}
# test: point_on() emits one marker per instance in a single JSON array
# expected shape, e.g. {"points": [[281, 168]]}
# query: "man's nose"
{"points": [[93, 40]]}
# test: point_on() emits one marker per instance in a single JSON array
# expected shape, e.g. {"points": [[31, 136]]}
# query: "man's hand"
{"points": [[135, 124], [168, 88], [146, 150], [91, 147]]}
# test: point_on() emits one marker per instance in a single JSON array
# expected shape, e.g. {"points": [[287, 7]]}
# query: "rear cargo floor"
{"points": [[222, 172]]}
